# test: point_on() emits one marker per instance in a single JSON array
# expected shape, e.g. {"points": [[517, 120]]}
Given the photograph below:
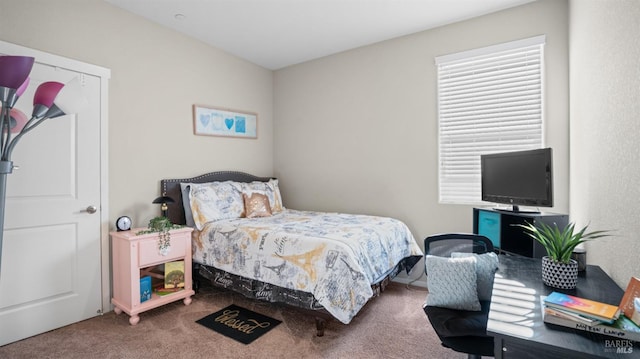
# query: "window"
{"points": [[489, 100]]}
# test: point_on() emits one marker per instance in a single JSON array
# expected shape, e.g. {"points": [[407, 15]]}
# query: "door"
{"points": [[51, 258]]}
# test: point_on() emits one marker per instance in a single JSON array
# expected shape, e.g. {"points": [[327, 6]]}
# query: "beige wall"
{"points": [[357, 131], [156, 76], [605, 123]]}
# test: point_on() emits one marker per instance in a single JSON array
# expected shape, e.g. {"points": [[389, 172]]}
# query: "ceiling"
{"points": [[278, 33]]}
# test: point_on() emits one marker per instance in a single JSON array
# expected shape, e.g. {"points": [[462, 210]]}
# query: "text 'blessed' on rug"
{"points": [[239, 323]]}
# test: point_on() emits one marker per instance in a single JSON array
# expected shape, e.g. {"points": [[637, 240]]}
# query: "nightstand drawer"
{"points": [[149, 253]]}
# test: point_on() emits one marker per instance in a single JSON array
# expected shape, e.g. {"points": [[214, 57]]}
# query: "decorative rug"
{"points": [[239, 323]]}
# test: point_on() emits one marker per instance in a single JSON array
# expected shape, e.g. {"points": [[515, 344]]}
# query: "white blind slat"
{"points": [[489, 100]]}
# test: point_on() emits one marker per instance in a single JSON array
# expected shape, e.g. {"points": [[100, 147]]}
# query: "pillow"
{"points": [[276, 205], [256, 205], [452, 283], [270, 189], [486, 267], [214, 201], [186, 203]]}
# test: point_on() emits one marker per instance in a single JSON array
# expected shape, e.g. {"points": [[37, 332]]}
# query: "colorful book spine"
{"points": [[604, 312], [145, 288], [570, 315]]}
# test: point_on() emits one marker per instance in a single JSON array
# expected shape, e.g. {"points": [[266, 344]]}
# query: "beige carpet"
{"points": [[390, 326]]}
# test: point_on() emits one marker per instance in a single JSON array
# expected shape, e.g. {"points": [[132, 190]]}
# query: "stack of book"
{"points": [[591, 316]]}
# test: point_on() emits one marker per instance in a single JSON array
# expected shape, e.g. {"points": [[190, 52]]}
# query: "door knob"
{"points": [[92, 209]]}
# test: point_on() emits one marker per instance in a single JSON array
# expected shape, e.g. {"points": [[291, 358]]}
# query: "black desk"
{"points": [[515, 318]]}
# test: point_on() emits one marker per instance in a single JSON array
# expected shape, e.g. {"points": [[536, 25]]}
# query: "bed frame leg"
{"points": [[320, 323], [195, 277]]}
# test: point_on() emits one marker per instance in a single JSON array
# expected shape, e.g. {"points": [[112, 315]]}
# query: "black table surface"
{"points": [[516, 314]]}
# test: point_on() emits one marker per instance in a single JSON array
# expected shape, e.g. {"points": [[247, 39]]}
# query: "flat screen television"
{"points": [[522, 178]]}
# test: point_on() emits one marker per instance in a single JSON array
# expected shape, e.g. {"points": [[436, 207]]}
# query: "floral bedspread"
{"points": [[334, 256]]}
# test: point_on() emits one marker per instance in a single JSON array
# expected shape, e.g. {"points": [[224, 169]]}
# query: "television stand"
{"points": [[502, 227], [516, 209]]}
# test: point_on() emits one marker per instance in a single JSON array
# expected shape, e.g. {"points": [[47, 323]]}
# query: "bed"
{"points": [[245, 240]]}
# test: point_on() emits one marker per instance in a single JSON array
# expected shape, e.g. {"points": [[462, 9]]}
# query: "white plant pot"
{"points": [[559, 275]]}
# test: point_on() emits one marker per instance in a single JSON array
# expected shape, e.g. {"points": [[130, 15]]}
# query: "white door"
{"points": [[51, 257]]}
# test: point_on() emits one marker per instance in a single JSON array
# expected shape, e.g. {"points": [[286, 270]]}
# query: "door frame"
{"points": [[104, 74]]}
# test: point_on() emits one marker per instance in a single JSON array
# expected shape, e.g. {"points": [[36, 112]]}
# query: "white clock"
{"points": [[123, 223]]}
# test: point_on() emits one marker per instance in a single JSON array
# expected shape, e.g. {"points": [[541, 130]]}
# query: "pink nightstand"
{"points": [[133, 253]]}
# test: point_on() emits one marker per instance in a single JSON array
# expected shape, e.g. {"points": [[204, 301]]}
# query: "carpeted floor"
{"points": [[390, 326]]}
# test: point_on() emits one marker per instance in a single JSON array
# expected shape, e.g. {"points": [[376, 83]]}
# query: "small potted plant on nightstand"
{"points": [[162, 226], [559, 270]]}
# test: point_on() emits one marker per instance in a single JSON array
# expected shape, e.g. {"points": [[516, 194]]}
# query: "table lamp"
{"points": [[163, 200]]}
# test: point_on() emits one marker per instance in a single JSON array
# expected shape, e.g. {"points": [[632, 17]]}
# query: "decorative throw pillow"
{"points": [[186, 203], [214, 201], [256, 205], [452, 283], [486, 267], [270, 189]]}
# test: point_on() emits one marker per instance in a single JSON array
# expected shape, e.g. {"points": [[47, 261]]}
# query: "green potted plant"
{"points": [[559, 270], [162, 226]]}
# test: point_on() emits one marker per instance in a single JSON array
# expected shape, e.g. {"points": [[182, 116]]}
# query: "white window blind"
{"points": [[489, 100]]}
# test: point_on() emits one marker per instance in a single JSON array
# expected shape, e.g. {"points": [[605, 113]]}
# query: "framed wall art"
{"points": [[211, 121]]}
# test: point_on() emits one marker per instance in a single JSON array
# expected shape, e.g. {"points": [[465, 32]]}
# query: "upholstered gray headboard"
{"points": [[171, 188]]}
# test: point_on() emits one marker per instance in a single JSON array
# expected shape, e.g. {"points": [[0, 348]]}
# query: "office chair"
{"points": [[463, 331]]}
